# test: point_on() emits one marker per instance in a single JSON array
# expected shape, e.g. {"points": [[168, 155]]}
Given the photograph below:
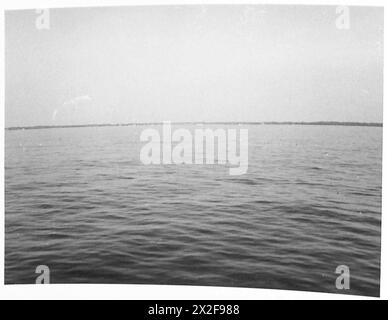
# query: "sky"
{"points": [[193, 63]]}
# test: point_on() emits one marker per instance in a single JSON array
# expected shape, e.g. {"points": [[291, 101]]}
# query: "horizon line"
{"points": [[327, 123]]}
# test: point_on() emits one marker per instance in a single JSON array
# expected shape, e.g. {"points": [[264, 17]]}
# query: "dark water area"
{"points": [[80, 201]]}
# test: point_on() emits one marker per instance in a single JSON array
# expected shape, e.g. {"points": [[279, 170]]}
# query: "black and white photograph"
{"points": [[195, 145]]}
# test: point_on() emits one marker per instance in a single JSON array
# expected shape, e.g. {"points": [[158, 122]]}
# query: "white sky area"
{"points": [[193, 63]]}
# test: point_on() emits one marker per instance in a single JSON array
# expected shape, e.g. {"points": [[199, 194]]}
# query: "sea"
{"points": [[79, 201]]}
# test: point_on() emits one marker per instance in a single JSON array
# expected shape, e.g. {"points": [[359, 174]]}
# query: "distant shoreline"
{"points": [[316, 123]]}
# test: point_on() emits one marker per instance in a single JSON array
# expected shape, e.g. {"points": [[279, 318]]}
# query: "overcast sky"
{"points": [[196, 63]]}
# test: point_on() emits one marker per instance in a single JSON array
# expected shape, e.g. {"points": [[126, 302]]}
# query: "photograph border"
{"points": [[137, 292]]}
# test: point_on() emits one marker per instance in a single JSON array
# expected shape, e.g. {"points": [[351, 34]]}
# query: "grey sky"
{"points": [[209, 63]]}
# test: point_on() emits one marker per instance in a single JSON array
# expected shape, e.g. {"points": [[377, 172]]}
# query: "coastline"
{"points": [[315, 123]]}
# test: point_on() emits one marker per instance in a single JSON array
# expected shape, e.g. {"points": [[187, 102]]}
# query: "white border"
{"points": [[168, 292]]}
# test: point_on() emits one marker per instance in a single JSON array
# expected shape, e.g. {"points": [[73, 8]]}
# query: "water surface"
{"points": [[79, 201]]}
